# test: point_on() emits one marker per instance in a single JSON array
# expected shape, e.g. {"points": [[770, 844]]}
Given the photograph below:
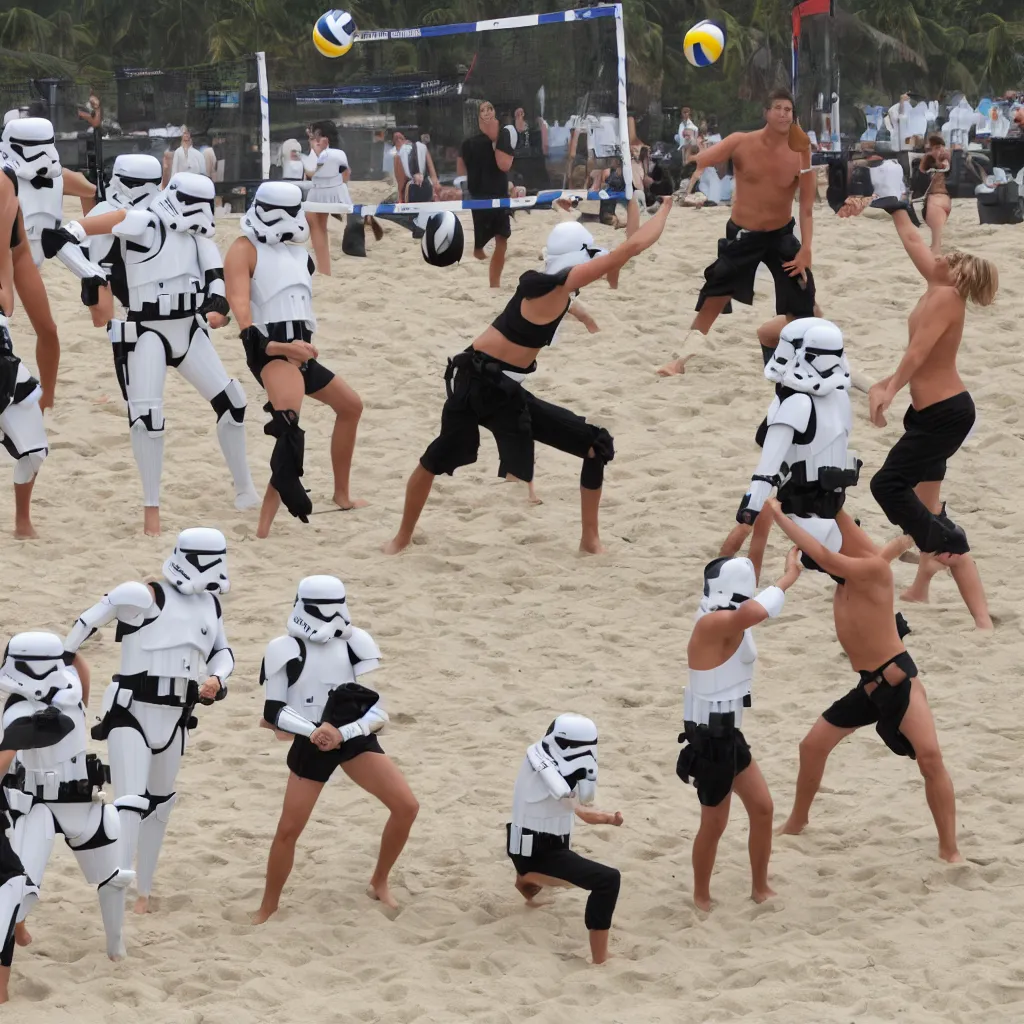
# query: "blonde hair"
{"points": [[974, 278]]}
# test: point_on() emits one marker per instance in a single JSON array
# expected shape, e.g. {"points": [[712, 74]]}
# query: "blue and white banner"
{"points": [[493, 24], [542, 199]]}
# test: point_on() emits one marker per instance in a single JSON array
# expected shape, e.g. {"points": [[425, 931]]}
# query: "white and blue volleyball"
{"points": [[334, 33], [704, 43], [443, 240]]}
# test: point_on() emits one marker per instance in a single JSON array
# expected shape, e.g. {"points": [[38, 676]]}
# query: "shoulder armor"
{"points": [[135, 223], [793, 411], [280, 651], [131, 595], [363, 646]]}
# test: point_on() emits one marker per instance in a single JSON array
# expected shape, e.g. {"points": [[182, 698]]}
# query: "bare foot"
{"points": [[479, 254], [395, 545], [760, 895], [532, 497], [151, 521], [25, 531], [911, 558], [262, 915], [592, 546], [703, 902], [984, 625], [382, 893], [528, 889], [951, 858], [141, 905], [673, 369], [21, 935], [347, 504], [246, 501], [792, 827], [915, 595]]}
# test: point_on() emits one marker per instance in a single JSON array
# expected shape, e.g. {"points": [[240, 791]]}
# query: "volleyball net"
{"points": [[559, 79]]}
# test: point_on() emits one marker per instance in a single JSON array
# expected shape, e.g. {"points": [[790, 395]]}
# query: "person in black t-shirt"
{"points": [[485, 160]]}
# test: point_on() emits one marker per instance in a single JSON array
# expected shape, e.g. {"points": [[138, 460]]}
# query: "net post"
{"points": [[627, 156], [261, 75]]}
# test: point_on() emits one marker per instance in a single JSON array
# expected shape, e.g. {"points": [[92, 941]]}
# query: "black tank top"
{"points": [[515, 327]]}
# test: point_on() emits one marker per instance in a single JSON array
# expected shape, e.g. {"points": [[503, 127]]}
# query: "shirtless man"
{"points": [[940, 418], [889, 695], [770, 165]]}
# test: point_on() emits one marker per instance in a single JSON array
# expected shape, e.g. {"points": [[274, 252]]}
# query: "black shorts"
{"points": [[739, 255], [488, 224], [932, 436], [483, 396], [315, 375], [711, 763], [310, 762], [883, 708]]}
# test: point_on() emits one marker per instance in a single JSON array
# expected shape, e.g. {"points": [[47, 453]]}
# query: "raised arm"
{"points": [[586, 273], [77, 184], [766, 604], [128, 603], [832, 562], [915, 245], [576, 310], [505, 148], [759, 543], [719, 153]]}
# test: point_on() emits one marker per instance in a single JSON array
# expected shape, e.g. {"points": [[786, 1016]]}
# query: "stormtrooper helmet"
{"points": [[320, 612], [187, 204], [809, 358], [33, 666], [825, 531], [134, 181], [27, 144], [571, 740], [569, 245], [728, 582], [276, 214], [443, 241], [198, 562]]}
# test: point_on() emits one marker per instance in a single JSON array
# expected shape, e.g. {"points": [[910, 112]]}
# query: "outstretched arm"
{"points": [[598, 817], [830, 561], [914, 244], [577, 310], [759, 542], [896, 547]]}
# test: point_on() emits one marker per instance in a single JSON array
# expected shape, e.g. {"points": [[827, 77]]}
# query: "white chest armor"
{"points": [[177, 643], [828, 448], [534, 807], [721, 690], [40, 208], [161, 262], [326, 667], [99, 247], [63, 762], [330, 167], [282, 286]]}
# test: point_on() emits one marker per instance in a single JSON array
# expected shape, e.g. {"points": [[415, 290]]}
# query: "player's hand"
{"points": [[879, 401], [793, 565], [216, 320], [614, 819], [209, 690], [773, 506], [800, 264], [300, 352], [325, 737]]}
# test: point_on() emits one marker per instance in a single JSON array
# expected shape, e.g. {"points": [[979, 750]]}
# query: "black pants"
{"points": [[931, 436], [556, 860]]}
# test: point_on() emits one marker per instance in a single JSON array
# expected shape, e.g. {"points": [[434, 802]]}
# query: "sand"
{"points": [[491, 624]]}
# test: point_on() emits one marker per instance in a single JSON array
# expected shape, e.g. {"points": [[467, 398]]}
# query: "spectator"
{"points": [[686, 125], [186, 157], [92, 112]]}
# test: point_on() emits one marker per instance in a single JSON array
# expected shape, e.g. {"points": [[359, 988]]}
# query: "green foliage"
{"points": [[885, 46]]}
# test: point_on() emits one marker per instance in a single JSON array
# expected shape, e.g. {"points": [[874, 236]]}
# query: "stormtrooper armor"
{"points": [[27, 145], [558, 772], [174, 276], [805, 435], [22, 433], [315, 667], [724, 690], [51, 789], [569, 245], [172, 639]]}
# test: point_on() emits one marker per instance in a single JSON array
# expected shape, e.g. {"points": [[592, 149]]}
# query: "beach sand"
{"points": [[491, 624]]}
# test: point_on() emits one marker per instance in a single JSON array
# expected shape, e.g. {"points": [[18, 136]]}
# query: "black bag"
{"points": [[353, 241], [1004, 206]]}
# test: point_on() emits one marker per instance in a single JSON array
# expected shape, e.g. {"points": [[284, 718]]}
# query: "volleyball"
{"points": [[333, 32], [704, 43]]}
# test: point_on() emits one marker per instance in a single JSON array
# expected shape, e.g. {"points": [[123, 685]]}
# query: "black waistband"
{"points": [[902, 661], [280, 330], [490, 364], [719, 724], [146, 689], [786, 229], [78, 792]]}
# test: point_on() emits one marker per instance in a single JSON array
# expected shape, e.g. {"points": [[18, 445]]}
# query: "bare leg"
{"points": [[151, 520], [21, 934], [703, 321], [348, 407], [918, 726], [300, 798], [814, 750], [497, 261], [416, 493], [599, 946], [23, 528], [590, 502], [531, 884], [321, 243], [32, 292], [271, 503], [5, 977], [751, 788], [380, 777], [705, 848]]}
